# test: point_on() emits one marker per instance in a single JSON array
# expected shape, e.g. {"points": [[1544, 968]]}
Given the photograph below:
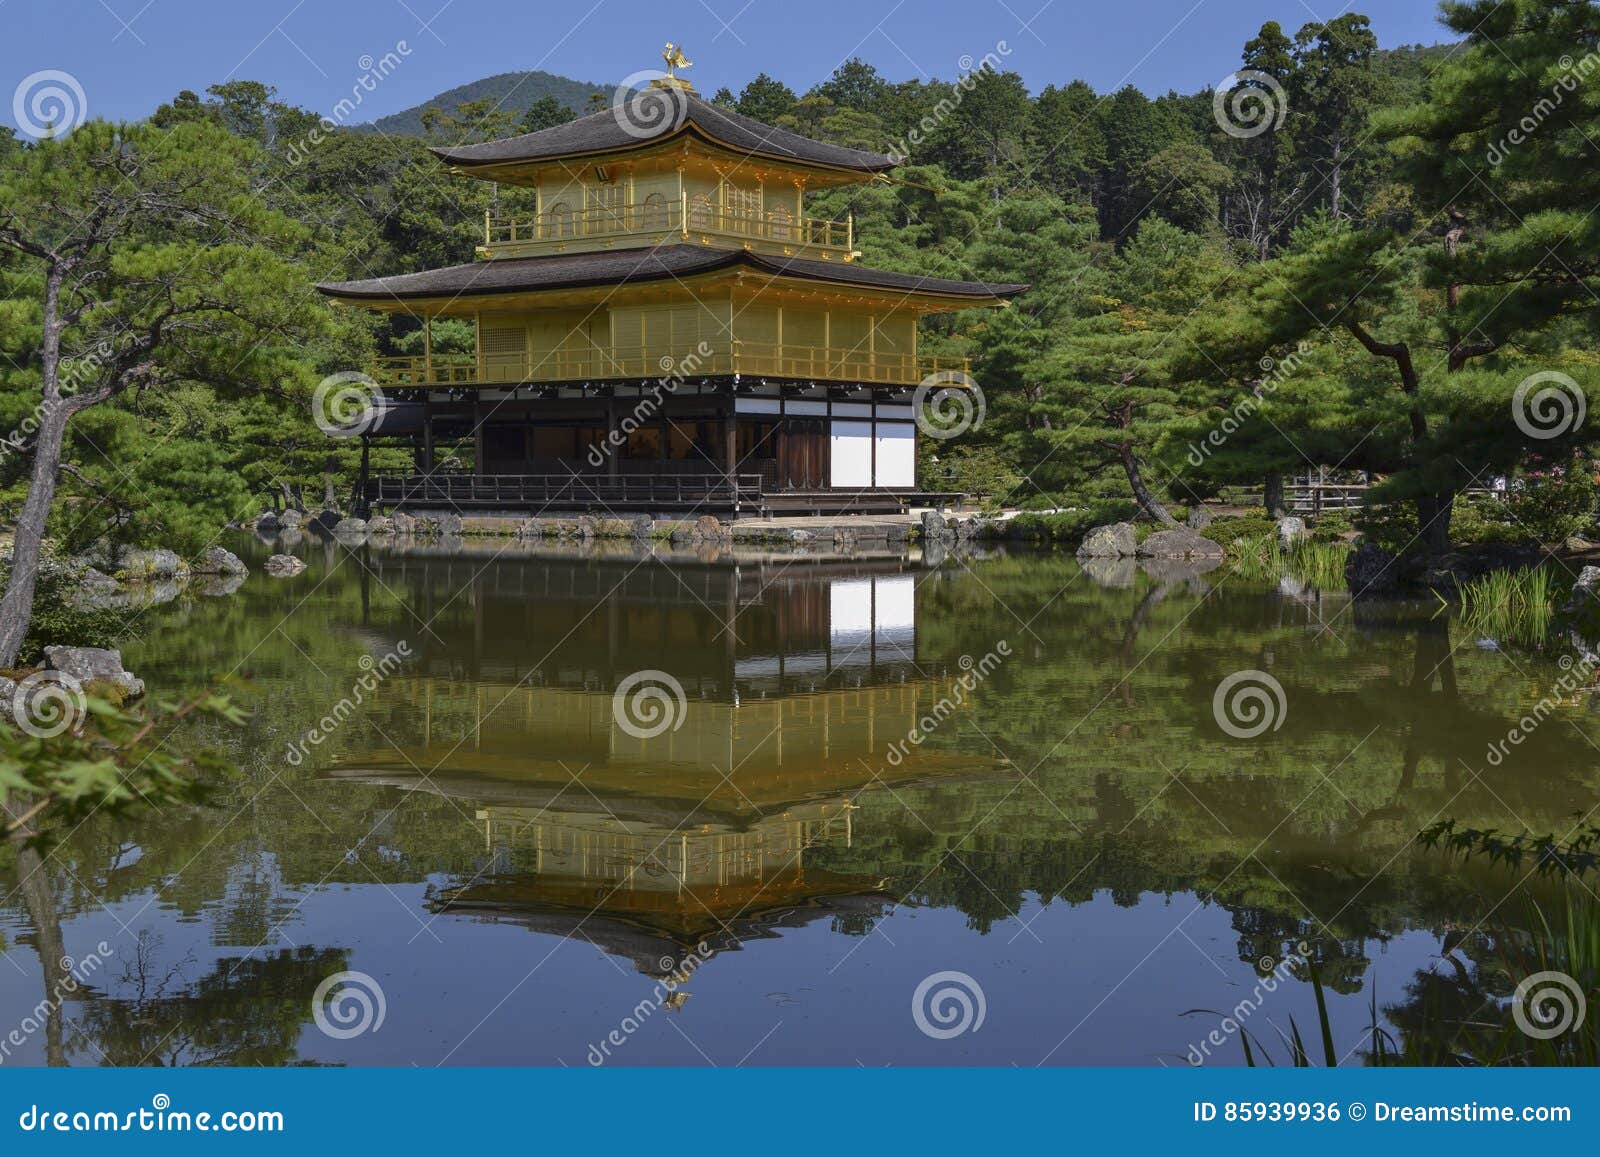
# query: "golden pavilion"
{"points": [[668, 331]]}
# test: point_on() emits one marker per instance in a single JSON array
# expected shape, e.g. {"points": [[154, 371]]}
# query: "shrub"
{"points": [[1230, 530], [1553, 502], [1067, 527], [56, 620]]}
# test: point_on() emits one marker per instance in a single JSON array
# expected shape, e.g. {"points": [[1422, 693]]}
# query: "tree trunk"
{"points": [[16, 608], [1336, 180], [1433, 521], [1141, 492], [39, 899], [1272, 494]]}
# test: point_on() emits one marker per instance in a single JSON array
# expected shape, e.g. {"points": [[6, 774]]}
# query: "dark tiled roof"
{"points": [[621, 267], [655, 115]]}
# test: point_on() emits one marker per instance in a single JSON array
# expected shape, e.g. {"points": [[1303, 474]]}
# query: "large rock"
{"points": [[641, 526], [1584, 592], [1291, 530], [216, 560], [326, 520], [283, 565], [91, 581], [1118, 540], [94, 665], [708, 529], [350, 526], [290, 518], [403, 523], [1371, 570], [143, 566], [1446, 572], [380, 525], [267, 523], [216, 586], [934, 528], [1180, 542], [1117, 573], [1199, 518]]}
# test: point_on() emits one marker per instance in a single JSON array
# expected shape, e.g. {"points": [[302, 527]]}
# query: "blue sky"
{"points": [[129, 55]]}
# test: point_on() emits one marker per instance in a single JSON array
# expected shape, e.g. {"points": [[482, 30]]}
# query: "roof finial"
{"points": [[673, 55]]}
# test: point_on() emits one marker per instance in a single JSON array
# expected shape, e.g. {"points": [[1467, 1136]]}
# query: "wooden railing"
{"points": [[623, 493], [1317, 498], [649, 220], [754, 359]]}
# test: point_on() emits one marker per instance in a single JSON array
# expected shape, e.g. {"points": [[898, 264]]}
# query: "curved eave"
{"points": [[470, 167], [736, 267]]}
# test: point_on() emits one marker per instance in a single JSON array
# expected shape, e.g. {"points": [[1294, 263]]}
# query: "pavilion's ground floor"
{"points": [[655, 448]]}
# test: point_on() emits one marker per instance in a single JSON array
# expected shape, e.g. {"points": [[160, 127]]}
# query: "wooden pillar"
{"points": [[427, 437], [612, 452], [360, 505], [477, 438]]}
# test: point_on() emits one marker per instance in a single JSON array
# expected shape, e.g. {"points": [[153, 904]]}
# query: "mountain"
{"points": [[516, 90]]}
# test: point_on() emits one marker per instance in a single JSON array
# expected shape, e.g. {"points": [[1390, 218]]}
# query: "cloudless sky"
{"points": [[130, 55]]}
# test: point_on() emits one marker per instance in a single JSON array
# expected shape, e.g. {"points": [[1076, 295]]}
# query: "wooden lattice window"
{"points": [[605, 205], [743, 202], [559, 220]]}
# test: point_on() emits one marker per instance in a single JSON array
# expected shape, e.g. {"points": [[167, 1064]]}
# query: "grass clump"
{"points": [[1515, 605]]}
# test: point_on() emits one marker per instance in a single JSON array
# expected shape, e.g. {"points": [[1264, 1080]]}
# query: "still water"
{"points": [[837, 779]]}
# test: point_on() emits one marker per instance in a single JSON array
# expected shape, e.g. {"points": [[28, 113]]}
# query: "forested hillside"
{"points": [[512, 92]]}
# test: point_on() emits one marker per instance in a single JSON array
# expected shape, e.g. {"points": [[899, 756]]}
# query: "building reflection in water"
{"points": [[796, 682]]}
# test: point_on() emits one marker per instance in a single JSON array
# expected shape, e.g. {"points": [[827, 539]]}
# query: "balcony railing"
{"points": [[750, 359], [650, 220], [568, 491]]}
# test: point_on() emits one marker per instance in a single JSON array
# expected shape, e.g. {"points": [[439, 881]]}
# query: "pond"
{"points": [[501, 805]]}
